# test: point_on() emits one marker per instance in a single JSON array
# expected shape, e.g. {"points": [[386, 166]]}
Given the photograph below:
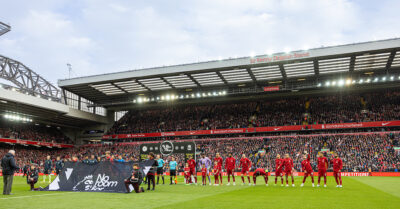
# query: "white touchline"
{"points": [[36, 195]]}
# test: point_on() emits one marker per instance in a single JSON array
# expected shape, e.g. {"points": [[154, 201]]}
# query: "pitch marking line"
{"points": [[36, 195]]}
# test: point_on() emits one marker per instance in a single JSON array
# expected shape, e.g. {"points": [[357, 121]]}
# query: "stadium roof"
{"points": [[45, 111], [262, 70], [4, 28]]}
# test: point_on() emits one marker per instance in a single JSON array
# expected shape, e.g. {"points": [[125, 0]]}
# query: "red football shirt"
{"points": [[278, 164], [245, 163], [187, 170], [322, 163], [219, 160], [337, 164], [204, 171], [306, 165], [216, 169], [192, 164], [230, 163], [260, 171], [288, 163]]}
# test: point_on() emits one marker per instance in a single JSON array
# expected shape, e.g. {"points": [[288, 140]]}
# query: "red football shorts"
{"points": [[288, 172], [229, 171], [193, 172], [308, 173], [321, 172], [278, 173], [245, 170]]}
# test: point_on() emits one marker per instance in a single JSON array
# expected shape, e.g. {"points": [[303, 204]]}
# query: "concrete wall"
{"points": [[17, 97]]}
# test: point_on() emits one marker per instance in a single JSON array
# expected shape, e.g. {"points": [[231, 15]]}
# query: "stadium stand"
{"points": [[32, 132], [339, 108]]}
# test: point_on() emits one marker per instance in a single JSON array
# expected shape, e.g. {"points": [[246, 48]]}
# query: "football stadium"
{"points": [[308, 128]]}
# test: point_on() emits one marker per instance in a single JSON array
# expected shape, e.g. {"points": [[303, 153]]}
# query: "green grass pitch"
{"points": [[357, 192]]}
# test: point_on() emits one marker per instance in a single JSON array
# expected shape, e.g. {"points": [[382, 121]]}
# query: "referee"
{"points": [[172, 169], [160, 169]]}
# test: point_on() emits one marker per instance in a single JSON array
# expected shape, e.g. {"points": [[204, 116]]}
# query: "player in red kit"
{"points": [[278, 169], [219, 160], [288, 164], [337, 168], [216, 171], [260, 172], [187, 174], [322, 166], [230, 168], [204, 175], [307, 169], [245, 164], [192, 165]]}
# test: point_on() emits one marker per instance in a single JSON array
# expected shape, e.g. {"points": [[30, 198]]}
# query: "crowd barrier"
{"points": [[34, 143], [252, 138], [258, 129]]}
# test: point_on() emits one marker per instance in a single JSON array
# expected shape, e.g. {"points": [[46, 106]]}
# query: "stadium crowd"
{"points": [[360, 152], [32, 132], [339, 108]]}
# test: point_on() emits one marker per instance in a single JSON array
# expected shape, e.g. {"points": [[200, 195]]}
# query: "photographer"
{"points": [[32, 177], [135, 180]]}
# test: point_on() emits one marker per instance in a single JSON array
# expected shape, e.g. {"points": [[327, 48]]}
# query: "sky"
{"points": [[104, 36]]}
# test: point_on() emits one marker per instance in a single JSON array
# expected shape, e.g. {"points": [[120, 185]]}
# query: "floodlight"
{"points": [[328, 83]]}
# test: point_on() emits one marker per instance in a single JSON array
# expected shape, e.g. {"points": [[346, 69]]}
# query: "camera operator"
{"points": [[135, 180]]}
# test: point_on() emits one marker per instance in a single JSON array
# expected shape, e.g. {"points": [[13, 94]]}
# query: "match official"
{"points": [[172, 170]]}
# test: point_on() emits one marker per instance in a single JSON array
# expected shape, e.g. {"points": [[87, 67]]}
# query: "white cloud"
{"points": [[46, 41], [100, 37]]}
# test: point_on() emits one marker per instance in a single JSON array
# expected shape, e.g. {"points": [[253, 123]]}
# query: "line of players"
{"points": [[283, 167]]}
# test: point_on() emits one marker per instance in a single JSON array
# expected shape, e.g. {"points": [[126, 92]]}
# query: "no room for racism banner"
{"points": [[100, 177]]}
